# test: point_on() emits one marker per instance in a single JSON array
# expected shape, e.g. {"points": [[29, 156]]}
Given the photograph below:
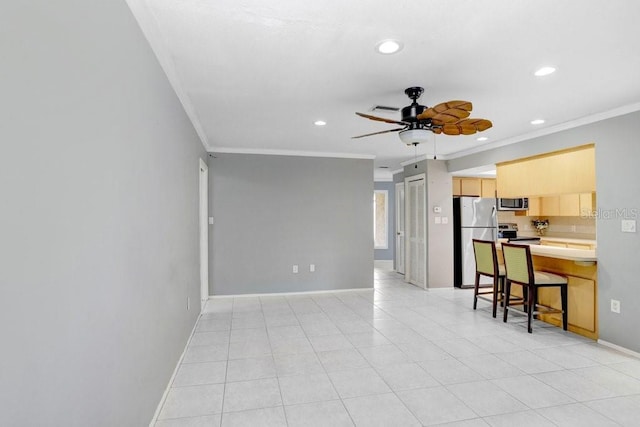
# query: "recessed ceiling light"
{"points": [[537, 122], [544, 71], [319, 123], [482, 138], [387, 47]]}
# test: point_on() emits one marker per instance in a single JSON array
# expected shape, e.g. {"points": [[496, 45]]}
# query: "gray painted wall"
{"points": [[272, 212], [99, 218], [388, 254], [440, 236], [618, 187], [439, 262]]}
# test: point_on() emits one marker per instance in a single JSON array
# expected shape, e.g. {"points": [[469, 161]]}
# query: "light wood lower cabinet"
{"points": [[582, 295], [556, 244], [561, 244], [581, 300]]}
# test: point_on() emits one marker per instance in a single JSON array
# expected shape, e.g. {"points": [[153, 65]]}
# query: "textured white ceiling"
{"points": [[255, 75]]}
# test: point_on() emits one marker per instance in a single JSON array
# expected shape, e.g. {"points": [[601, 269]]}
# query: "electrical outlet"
{"points": [[628, 225], [295, 269], [615, 306], [312, 268]]}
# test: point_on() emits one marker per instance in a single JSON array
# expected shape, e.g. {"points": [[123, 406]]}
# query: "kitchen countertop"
{"points": [[577, 255], [560, 239]]}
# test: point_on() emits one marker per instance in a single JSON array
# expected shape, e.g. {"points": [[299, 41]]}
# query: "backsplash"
{"points": [[573, 227]]}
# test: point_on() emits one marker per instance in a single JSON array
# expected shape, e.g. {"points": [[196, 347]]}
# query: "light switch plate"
{"points": [[615, 306], [210, 220], [628, 225], [438, 220]]}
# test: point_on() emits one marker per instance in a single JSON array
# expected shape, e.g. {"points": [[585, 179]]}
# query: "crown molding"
{"points": [[550, 130], [151, 30], [268, 152]]}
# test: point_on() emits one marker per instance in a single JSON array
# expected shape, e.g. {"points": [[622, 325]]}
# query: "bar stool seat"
{"points": [[487, 265], [519, 270]]}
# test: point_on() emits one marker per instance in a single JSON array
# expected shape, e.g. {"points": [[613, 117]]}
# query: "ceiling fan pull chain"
{"points": [[415, 155], [434, 147]]}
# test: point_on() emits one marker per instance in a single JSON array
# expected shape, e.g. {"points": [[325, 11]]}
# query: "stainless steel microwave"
{"points": [[517, 204]]}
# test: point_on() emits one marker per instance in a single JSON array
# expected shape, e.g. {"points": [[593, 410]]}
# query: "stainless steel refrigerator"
{"points": [[474, 218]]}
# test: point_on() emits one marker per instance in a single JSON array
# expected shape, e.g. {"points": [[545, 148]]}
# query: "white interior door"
{"points": [[400, 227], [416, 249], [204, 234]]}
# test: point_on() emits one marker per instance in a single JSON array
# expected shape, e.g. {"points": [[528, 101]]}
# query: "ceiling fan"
{"points": [[449, 118]]}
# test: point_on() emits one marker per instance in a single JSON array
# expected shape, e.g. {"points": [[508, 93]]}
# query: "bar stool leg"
{"points": [[475, 290], [495, 295], [507, 296], [565, 314], [531, 298]]}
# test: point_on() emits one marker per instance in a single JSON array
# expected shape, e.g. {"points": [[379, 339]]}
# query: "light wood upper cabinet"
{"points": [[587, 204], [482, 187], [470, 187], [488, 188], [563, 172], [457, 189], [582, 204]]}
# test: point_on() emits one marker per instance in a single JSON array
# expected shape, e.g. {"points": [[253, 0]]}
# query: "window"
{"points": [[380, 219]]}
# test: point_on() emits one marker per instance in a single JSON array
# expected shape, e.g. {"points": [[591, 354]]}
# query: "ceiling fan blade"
{"points": [[447, 112], [381, 119], [378, 133], [466, 127]]}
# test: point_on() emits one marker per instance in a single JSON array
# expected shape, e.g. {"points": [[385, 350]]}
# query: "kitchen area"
{"points": [[548, 202]]}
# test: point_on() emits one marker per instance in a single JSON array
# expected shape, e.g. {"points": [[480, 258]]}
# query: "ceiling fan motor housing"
{"points": [[410, 112]]}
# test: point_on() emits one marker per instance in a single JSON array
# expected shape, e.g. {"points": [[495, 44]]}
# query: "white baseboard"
{"points": [[385, 264], [173, 375], [619, 348], [284, 294]]}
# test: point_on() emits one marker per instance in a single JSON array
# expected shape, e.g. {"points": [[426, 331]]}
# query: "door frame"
{"points": [[203, 174], [400, 220], [407, 224]]}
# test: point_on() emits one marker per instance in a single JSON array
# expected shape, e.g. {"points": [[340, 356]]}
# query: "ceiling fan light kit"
{"points": [[414, 136], [449, 118]]}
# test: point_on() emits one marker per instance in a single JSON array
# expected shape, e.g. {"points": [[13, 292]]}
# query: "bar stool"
{"points": [[487, 265], [519, 269]]}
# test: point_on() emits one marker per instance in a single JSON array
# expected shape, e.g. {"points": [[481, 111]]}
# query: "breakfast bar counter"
{"points": [[580, 267]]}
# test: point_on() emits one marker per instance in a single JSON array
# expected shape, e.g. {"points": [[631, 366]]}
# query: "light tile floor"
{"points": [[395, 355]]}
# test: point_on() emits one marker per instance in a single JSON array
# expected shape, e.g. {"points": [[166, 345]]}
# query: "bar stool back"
{"points": [[519, 270], [487, 265]]}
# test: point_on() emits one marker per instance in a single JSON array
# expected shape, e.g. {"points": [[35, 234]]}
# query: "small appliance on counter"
{"points": [[509, 230]]}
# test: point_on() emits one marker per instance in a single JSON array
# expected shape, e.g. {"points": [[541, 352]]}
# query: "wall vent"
{"points": [[384, 109]]}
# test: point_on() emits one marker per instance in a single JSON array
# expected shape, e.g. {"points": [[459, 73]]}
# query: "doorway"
{"points": [[204, 233], [415, 223]]}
